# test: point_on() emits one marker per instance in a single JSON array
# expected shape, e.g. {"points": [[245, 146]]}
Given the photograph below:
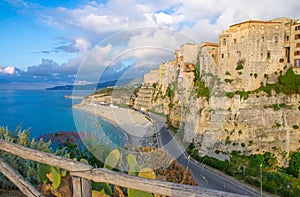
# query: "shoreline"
{"points": [[134, 124], [73, 97]]}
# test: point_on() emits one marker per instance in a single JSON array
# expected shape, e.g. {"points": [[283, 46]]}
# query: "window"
{"points": [[268, 54], [297, 53], [275, 39], [287, 38], [298, 45], [297, 36], [222, 55], [213, 55], [297, 28], [224, 42], [297, 62], [262, 38], [234, 41], [228, 54]]}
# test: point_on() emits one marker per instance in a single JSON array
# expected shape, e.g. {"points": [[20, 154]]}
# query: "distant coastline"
{"points": [[92, 87]]}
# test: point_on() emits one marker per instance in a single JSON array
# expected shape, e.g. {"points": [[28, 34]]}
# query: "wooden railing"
{"points": [[82, 175]]}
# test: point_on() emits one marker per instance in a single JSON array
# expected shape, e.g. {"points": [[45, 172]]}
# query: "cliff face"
{"points": [[220, 125], [219, 122]]}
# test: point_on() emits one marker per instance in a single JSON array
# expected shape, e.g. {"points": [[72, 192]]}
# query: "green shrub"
{"points": [[239, 67], [170, 92], [250, 143], [171, 105], [227, 73], [266, 76], [228, 80], [275, 107], [227, 141], [200, 87], [295, 126], [294, 164], [243, 94], [282, 105]]}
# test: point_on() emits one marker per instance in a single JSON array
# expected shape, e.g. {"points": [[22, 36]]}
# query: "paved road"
{"points": [[204, 176]]}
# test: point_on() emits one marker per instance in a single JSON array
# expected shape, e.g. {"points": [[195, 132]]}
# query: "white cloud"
{"points": [[200, 20], [94, 64], [8, 70], [99, 19], [82, 44]]}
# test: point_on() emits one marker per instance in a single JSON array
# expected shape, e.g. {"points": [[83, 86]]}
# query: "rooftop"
{"points": [[256, 21], [204, 44]]}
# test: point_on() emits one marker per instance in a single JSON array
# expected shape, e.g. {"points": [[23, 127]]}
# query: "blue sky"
{"points": [[46, 42]]}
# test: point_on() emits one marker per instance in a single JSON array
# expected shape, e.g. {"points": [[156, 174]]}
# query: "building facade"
{"points": [[251, 50]]}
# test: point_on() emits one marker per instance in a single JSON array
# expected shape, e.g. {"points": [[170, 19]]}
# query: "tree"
{"points": [[294, 164]]}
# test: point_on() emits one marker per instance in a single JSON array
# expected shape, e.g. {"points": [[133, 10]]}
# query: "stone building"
{"points": [[187, 58], [208, 57], [144, 98], [152, 77], [168, 72], [294, 44], [251, 50]]}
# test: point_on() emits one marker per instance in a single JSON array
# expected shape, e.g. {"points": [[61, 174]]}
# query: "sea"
{"points": [[47, 111]]}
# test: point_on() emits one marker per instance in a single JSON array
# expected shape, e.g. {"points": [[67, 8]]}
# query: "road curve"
{"points": [[205, 177]]}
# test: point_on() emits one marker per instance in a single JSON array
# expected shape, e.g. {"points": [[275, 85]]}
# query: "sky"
{"points": [[45, 43]]}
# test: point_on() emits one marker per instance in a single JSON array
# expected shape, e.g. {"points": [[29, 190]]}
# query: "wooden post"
{"points": [[81, 187], [18, 180]]}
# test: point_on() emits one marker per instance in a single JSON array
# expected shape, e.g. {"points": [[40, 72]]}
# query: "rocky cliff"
{"points": [[219, 122]]}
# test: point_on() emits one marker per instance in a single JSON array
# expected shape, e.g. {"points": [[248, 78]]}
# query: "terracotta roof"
{"points": [[255, 21], [203, 44]]}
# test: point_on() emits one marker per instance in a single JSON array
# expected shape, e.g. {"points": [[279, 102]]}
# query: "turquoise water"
{"points": [[47, 111]]}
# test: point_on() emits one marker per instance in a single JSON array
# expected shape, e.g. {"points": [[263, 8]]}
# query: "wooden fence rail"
{"points": [[82, 175]]}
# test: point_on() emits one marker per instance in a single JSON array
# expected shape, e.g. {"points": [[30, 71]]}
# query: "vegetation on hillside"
{"points": [[280, 181], [105, 91], [200, 87], [288, 83]]}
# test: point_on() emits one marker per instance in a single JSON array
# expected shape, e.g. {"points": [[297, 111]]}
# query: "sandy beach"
{"points": [[133, 123]]}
